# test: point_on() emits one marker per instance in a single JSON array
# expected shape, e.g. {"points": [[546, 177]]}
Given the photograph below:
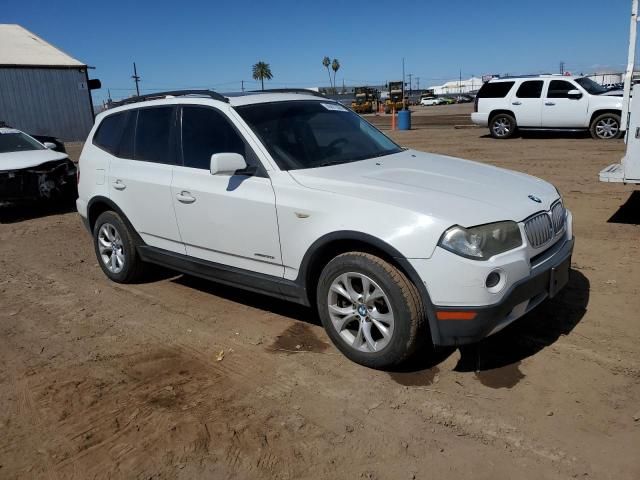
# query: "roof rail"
{"points": [[288, 90], [173, 93], [531, 75]]}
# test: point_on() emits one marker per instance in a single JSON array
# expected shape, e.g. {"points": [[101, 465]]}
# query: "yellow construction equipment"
{"points": [[365, 98], [395, 100]]}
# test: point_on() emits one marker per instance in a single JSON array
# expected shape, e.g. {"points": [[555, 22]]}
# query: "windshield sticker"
{"points": [[334, 106]]}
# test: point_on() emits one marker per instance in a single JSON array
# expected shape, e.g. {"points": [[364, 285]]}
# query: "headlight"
{"points": [[482, 242]]}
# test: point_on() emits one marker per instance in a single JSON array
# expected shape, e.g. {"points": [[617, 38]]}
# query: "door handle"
{"points": [[118, 185], [185, 197], [549, 103], [516, 103]]}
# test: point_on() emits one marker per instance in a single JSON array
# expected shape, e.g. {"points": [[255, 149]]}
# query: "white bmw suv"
{"points": [[295, 196], [547, 102]]}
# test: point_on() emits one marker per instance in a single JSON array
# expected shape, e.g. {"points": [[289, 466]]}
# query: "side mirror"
{"points": [[227, 163], [50, 146], [574, 94]]}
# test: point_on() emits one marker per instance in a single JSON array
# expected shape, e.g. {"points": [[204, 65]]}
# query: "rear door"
{"points": [[226, 219], [526, 103], [140, 175], [560, 111]]}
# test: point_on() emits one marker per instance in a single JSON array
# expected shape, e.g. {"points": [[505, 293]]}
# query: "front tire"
{"points": [[115, 248], [502, 126], [371, 310], [606, 127]]}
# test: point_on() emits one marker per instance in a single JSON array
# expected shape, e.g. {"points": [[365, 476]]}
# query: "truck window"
{"points": [[495, 89]]}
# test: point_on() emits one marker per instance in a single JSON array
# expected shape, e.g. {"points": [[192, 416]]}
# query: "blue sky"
{"points": [[213, 44]]}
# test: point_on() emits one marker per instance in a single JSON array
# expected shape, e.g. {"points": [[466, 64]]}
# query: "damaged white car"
{"points": [[30, 170]]}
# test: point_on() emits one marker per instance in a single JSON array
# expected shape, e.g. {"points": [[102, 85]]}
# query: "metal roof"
{"points": [[20, 47]]}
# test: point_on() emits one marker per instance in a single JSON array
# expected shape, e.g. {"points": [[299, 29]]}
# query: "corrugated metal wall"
{"points": [[46, 101]]}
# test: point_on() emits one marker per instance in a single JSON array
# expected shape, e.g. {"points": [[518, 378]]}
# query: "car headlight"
{"points": [[482, 242]]}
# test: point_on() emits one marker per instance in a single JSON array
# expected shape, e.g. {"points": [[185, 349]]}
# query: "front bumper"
{"points": [[50, 180], [522, 297]]}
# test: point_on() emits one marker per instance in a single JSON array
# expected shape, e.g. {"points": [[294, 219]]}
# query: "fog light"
{"points": [[493, 279]]}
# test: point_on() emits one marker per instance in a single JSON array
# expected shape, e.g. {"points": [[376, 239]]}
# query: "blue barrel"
{"points": [[404, 120]]}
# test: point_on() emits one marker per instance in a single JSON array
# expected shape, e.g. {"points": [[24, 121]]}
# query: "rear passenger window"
{"points": [[152, 137], [495, 89], [530, 89], [128, 135], [559, 89], [109, 132], [206, 131]]}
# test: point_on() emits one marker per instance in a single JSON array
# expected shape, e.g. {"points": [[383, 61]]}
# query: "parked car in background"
{"points": [[464, 99], [429, 101], [447, 100], [547, 102], [298, 197], [30, 170]]}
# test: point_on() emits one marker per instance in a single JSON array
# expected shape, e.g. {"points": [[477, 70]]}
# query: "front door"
{"points": [[560, 111], [226, 219]]}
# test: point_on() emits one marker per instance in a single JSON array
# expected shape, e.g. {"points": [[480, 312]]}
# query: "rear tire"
{"points": [[606, 127], [115, 249], [502, 126], [371, 310]]}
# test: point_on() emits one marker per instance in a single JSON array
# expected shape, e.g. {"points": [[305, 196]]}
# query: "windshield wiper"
{"points": [[331, 162]]}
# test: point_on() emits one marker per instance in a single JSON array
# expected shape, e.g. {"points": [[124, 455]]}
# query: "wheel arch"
{"points": [[329, 246], [597, 113], [98, 205], [498, 111]]}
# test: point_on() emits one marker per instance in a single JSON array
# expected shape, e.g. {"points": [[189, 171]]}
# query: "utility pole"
{"points": [[418, 84], [136, 78], [561, 68], [242, 85], [403, 80], [410, 83], [460, 82]]}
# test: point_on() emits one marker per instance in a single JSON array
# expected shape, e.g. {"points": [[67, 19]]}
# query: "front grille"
{"points": [[544, 226], [558, 216]]}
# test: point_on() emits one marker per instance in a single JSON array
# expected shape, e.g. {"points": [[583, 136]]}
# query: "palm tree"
{"points": [[262, 71], [335, 66], [326, 62]]}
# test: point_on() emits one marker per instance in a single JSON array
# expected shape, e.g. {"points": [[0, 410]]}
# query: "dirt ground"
{"points": [[181, 378]]}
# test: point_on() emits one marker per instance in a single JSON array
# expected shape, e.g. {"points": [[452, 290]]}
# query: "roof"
{"points": [[20, 47], [237, 101]]}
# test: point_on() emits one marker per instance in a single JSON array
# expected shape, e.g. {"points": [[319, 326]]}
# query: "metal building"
{"points": [[43, 91]]}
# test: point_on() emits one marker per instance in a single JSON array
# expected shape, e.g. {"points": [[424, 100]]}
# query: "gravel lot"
{"points": [[181, 378]]}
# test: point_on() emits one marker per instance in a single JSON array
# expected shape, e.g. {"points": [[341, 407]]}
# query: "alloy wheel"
{"points": [[111, 248], [607, 127], [360, 312], [501, 127]]}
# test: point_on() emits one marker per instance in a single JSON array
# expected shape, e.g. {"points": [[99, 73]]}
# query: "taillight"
{"points": [[78, 172], [475, 105]]}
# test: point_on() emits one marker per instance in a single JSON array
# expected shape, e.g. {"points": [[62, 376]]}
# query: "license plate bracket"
{"points": [[559, 277]]}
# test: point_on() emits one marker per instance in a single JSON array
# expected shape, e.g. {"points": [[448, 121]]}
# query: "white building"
{"points": [[607, 78], [457, 86]]}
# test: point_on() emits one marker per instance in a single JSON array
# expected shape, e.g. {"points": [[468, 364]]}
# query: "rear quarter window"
{"points": [[109, 132], [495, 89]]}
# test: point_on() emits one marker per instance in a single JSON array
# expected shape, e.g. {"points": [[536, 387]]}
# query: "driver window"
{"points": [[560, 89], [206, 131]]}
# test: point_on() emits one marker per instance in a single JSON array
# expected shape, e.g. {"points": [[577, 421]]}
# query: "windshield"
{"points": [[18, 142], [590, 86], [307, 134]]}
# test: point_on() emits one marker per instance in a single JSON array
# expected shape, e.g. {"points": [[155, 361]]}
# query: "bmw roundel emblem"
{"points": [[535, 199]]}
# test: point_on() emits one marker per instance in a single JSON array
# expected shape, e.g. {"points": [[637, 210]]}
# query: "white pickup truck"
{"points": [[547, 102]]}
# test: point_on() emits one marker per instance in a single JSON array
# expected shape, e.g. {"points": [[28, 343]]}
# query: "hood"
{"points": [[28, 159], [457, 191]]}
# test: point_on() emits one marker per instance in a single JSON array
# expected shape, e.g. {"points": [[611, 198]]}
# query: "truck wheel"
{"points": [[116, 249], [606, 127], [502, 126], [371, 310]]}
